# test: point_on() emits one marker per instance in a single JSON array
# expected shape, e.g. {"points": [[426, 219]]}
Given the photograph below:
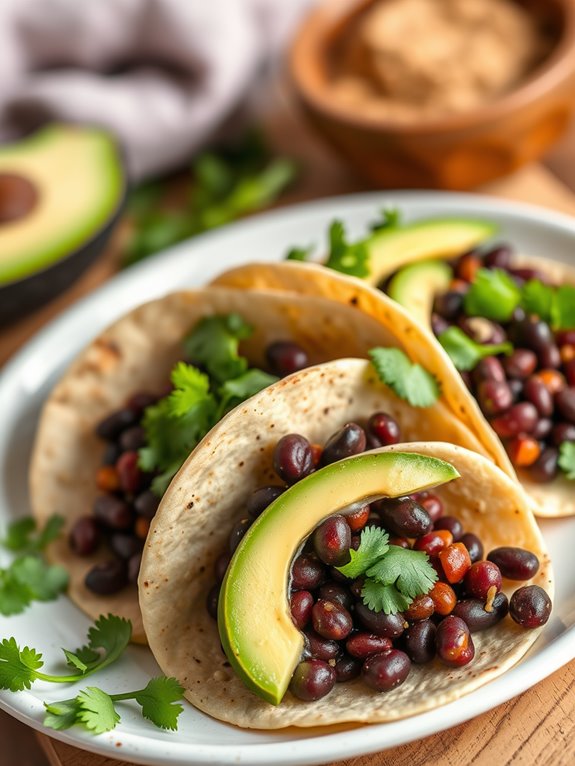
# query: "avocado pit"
{"points": [[18, 197]]}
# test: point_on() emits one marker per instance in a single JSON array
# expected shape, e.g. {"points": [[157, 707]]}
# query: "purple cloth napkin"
{"points": [[161, 74]]}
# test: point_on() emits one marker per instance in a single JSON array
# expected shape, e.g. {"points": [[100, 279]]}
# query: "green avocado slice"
{"points": [[390, 249], [258, 636], [415, 286], [68, 182]]}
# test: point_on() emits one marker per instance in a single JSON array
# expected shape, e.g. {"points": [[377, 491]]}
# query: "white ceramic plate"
{"points": [[25, 383]]}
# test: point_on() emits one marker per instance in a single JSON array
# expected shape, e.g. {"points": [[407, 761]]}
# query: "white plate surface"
{"points": [[26, 381]]}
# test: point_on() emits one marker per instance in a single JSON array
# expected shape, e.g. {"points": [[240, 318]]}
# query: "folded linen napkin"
{"points": [[161, 74]]}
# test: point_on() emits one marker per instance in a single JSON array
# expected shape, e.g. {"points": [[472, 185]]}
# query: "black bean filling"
{"points": [[344, 639], [122, 511], [529, 396]]}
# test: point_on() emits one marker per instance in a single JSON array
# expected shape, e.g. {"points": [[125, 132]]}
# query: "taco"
{"points": [[101, 460], [493, 304], [203, 513]]}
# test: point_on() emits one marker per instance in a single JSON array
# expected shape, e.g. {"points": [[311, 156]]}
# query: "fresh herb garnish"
{"points": [[28, 578], [394, 576], [213, 345], [493, 295], [536, 298], [563, 308], [567, 459], [352, 259], [225, 186], [23, 537], [299, 253], [107, 639], [391, 218], [465, 353], [95, 710], [409, 381], [178, 422]]}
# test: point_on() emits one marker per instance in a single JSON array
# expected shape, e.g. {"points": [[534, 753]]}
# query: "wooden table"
{"points": [[538, 727]]}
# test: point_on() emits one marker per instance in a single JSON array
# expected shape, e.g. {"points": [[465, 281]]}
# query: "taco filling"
{"points": [[329, 573], [373, 589], [509, 329]]}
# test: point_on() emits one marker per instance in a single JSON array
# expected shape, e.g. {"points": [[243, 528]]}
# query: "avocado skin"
{"points": [[30, 293]]}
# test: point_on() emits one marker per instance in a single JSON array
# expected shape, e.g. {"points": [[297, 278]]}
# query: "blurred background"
{"points": [[127, 126]]}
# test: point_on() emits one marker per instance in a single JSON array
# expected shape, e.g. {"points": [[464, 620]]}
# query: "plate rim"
{"points": [[312, 749]]}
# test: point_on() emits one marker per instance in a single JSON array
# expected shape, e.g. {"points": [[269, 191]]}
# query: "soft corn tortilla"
{"points": [[554, 499], [208, 496], [137, 354]]}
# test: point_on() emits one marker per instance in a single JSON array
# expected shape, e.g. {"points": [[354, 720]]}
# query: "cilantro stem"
{"points": [[126, 695], [63, 679]]}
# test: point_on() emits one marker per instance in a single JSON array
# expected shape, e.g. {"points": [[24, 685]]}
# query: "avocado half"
{"points": [[256, 630], [61, 193]]}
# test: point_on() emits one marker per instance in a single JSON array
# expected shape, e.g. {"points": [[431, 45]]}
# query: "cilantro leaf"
{"points": [[352, 259], [14, 597], [213, 344], [20, 537], [61, 715], [373, 544], [567, 459], [95, 709], [191, 393], [384, 598], [390, 219], [409, 381], [563, 308], [17, 666], [110, 634], [235, 391], [536, 298], [409, 570], [43, 581], [157, 701], [465, 353], [299, 253], [493, 295]]}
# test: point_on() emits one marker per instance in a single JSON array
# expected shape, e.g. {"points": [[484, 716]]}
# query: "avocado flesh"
{"points": [[78, 176], [390, 249], [415, 286], [258, 636]]}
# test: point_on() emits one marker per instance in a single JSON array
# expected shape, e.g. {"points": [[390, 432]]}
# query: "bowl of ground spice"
{"points": [[446, 94]]}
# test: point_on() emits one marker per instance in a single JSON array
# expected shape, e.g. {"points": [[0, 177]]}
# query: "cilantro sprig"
{"points": [[555, 305], [464, 352], [95, 709], [28, 578], [107, 639], [567, 459], [493, 295], [346, 257], [409, 381], [218, 380], [394, 576]]}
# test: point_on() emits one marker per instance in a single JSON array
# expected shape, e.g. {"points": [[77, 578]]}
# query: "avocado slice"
{"points": [[258, 636], [393, 247], [416, 285], [58, 189]]}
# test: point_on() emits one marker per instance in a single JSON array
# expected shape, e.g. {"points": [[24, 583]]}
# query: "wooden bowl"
{"points": [[458, 151]]}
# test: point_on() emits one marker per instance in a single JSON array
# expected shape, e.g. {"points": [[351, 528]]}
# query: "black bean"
{"points": [[285, 356], [111, 427], [146, 504], [125, 545], [107, 578], [133, 438], [530, 606], [113, 512], [347, 668], [452, 525], [419, 641], [453, 642], [332, 540], [563, 432], [387, 625], [333, 591], [536, 392], [448, 305], [499, 257], [312, 680], [386, 670], [331, 620], [472, 612], [404, 517], [293, 459], [84, 536], [565, 402], [238, 531], [515, 563], [320, 648], [349, 440], [474, 546], [212, 601], [545, 468], [308, 573], [259, 500]]}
